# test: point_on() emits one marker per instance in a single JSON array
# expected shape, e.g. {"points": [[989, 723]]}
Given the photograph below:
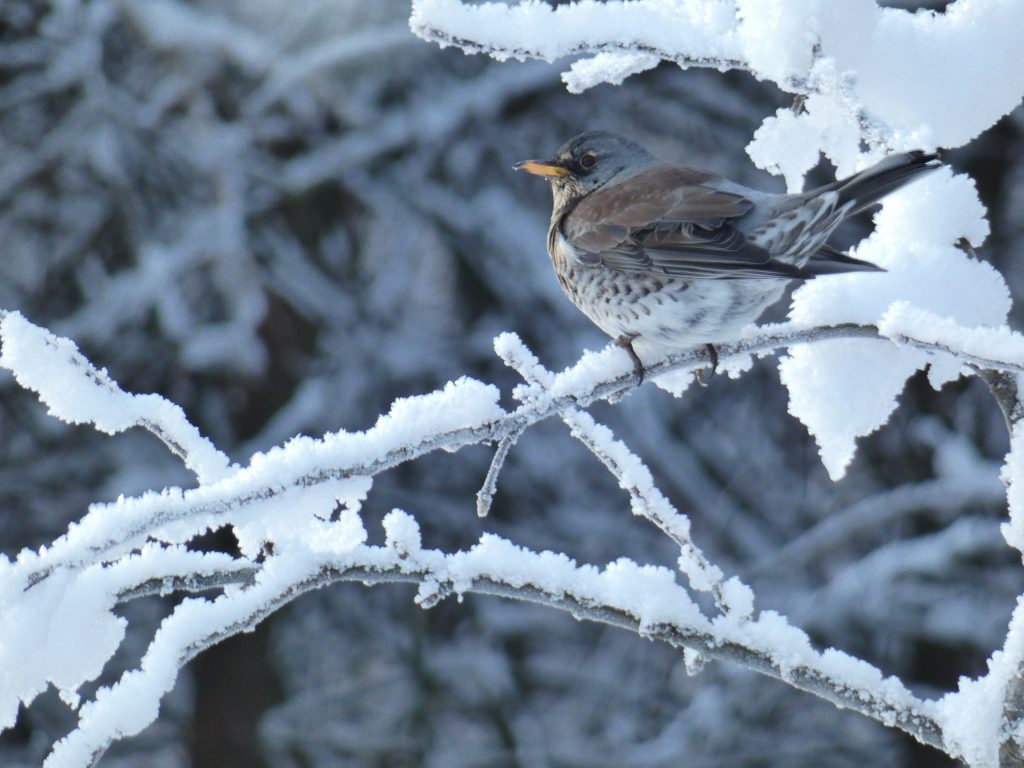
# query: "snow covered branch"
{"points": [[624, 39], [498, 568], [844, 59], [465, 413], [295, 514]]}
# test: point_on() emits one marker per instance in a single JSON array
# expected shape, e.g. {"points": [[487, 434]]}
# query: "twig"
{"points": [[646, 501], [485, 496], [190, 583], [1005, 388]]}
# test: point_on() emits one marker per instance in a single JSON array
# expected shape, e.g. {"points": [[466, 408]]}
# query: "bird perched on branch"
{"points": [[677, 257]]}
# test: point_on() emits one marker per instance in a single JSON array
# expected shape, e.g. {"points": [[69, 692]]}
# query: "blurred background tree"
{"points": [[284, 214]]}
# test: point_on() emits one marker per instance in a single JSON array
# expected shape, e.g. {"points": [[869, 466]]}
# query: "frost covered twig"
{"points": [[1006, 389], [831, 674], [485, 496], [627, 468]]}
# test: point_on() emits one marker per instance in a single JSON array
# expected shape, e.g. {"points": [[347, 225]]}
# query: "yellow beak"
{"points": [[541, 168]]}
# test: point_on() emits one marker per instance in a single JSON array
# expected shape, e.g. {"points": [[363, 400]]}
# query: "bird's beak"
{"points": [[542, 167]]}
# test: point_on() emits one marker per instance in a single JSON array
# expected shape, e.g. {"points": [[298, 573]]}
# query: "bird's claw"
{"points": [[626, 342], [704, 374]]}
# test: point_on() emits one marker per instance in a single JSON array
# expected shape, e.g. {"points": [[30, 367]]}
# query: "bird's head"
{"points": [[587, 162]]}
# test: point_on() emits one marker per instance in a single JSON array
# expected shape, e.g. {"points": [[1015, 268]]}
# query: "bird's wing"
{"points": [[668, 221], [828, 260]]}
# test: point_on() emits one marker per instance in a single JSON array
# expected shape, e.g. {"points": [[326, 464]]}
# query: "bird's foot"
{"points": [[704, 374], [626, 342]]}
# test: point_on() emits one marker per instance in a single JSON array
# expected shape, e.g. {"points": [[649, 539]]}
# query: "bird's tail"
{"points": [[866, 188]]}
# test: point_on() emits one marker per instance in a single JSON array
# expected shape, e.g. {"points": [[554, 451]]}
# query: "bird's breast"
{"points": [[564, 259]]}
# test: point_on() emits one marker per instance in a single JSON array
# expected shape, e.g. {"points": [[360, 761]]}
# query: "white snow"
{"points": [[403, 533], [999, 343], [921, 79], [885, 77], [631, 473], [607, 68], [534, 28], [971, 717], [1013, 476], [874, 80], [285, 497], [76, 392], [842, 390]]}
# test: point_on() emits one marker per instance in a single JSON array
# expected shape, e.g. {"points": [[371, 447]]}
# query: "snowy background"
{"points": [[284, 215]]}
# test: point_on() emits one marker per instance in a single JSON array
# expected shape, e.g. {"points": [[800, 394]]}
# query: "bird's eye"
{"points": [[588, 160]]}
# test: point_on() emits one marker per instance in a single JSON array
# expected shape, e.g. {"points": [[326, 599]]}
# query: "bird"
{"points": [[673, 257]]}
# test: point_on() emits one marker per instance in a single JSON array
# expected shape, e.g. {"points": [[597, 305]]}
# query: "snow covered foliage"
{"points": [[866, 77], [283, 218]]}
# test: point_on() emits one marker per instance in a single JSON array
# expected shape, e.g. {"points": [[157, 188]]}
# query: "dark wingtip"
{"points": [[926, 159], [831, 261]]}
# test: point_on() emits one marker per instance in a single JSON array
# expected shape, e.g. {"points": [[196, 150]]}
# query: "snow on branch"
{"points": [[464, 413], [78, 393], [641, 599], [630, 37], [295, 513], [885, 76]]}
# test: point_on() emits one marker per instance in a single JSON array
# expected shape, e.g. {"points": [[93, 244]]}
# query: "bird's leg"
{"points": [[704, 374], [626, 342]]}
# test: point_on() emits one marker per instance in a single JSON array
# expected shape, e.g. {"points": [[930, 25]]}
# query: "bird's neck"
{"points": [[565, 198]]}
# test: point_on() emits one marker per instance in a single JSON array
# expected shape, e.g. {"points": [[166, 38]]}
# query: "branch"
{"points": [[623, 38], [500, 30], [1005, 388], [903, 711], [278, 485], [241, 576], [684, 60], [598, 376], [831, 675], [77, 392], [485, 496], [497, 568]]}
